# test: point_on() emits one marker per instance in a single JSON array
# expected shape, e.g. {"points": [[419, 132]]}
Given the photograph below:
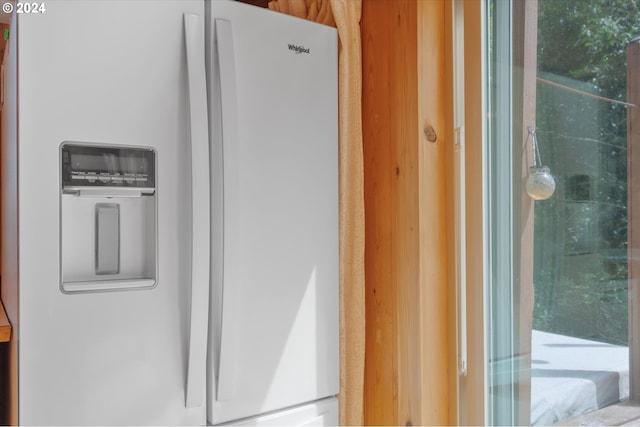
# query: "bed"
{"points": [[572, 376]]}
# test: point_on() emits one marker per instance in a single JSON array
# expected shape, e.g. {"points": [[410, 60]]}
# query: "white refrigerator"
{"points": [[170, 226]]}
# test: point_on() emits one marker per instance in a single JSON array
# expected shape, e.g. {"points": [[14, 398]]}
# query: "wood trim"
{"points": [[525, 29], [312, 10], [5, 326], [633, 194], [434, 139], [382, 39], [258, 3], [407, 342], [474, 122], [455, 387]]}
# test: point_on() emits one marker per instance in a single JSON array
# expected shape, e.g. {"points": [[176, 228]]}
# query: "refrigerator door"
{"points": [[107, 73], [273, 105]]}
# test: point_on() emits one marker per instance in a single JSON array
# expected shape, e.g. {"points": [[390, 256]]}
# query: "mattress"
{"points": [[572, 376]]}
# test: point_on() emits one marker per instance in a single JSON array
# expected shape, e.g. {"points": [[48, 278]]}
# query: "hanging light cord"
{"points": [[537, 162]]}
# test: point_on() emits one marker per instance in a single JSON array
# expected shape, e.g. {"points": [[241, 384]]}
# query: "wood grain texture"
{"points": [[259, 3], [380, 140], [633, 195], [434, 92], [456, 383], [5, 326], [312, 10], [406, 233], [406, 370], [474, 112]]}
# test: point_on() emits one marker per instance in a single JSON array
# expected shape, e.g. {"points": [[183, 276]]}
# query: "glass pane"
{"points": [[566, 352]]}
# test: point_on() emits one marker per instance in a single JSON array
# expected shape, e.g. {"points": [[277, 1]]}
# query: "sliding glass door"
{"points": [[561, 230]]}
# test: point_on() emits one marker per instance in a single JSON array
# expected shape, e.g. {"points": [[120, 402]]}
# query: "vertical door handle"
{"points": [[229, 107], [200, 211]]}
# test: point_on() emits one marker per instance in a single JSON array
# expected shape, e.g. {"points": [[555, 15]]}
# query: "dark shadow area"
{"points": [[580, 345], [4, 384], [539, 362]]}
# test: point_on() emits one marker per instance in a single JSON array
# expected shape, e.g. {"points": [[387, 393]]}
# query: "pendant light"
{"points": [[540, 184]]}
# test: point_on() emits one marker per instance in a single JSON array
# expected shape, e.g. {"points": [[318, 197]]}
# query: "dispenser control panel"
{"points": [[100, 166], [108, 218]]}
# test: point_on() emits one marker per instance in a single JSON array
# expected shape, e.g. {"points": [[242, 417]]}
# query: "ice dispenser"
{"points": [[108, 218]]}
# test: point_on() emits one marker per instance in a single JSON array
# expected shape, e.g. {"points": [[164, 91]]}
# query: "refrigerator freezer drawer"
{"points": [[321, 413]]}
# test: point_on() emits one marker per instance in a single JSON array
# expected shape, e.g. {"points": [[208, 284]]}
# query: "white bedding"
{"points": [[571, 376]]}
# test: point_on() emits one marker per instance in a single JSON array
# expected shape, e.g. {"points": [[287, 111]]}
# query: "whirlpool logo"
{"points": [[298, 49]]}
